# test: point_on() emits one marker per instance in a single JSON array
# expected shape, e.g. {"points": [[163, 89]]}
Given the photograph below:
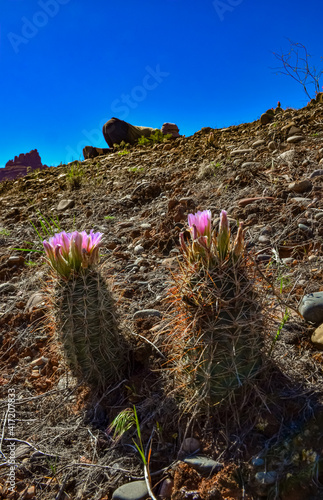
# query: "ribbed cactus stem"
{"points": [[216, 333], [85, 315]]}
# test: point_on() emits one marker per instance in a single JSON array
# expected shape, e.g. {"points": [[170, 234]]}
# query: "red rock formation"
{"points": [[21, 165]]}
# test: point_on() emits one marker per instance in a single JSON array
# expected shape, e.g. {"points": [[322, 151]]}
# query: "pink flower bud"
{"points": [[223, 239], [239, 244]]}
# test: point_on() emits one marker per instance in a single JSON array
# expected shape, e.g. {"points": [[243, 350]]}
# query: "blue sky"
{"points": [[67, 66]]}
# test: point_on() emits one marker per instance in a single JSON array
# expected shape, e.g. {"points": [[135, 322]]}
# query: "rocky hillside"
{"points": [[267, 174]]}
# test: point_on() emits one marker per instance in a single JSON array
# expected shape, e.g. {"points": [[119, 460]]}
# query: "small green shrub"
{"points": [[75, 175], [156, 138], [123, 146], [136, 170]]}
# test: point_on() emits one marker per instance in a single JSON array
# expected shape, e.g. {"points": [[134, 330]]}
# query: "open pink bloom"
{"points": [[202, 222], [68, 252]]}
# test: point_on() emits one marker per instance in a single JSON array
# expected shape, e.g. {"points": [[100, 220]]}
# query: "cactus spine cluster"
{"points": [[215, 337], [84, 309]]}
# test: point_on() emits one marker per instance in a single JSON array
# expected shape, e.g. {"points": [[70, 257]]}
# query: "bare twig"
{"points": [[296, 65]]}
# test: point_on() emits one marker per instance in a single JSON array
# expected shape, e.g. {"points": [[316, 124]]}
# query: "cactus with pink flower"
{"points": [[84, 308], [215, 333]]}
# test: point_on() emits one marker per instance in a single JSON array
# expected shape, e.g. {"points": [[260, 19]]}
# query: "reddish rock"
{"points": [[246, 201], [20, 165]]}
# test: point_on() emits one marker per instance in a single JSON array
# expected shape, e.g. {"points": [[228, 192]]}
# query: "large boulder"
{"points": [[170, 128], [91, 152], [115, 131]]}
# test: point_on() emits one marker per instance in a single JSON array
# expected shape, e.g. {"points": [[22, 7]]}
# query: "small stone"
{"points": [[124, 225], [136, 490], [190, 445], [317, 337], [15, 260], [166, 488], [248, 164], [287, 156], [305, 229], [266, 230], [295, 138], [316, 173], [241, 151], [203, 465], [266, 118], [7, 287], [172, 203], [311, 307], [246, 201], [30, 493], [237, 162], [138, 249], [294, 131], [286, 127], [288, 261], [318, 216], [264, 239], [65, 204], [39, 361], [22, 451], [36, 299], [145, 313], [258, 143], [301, 201], [272, 146], [301, 186], [263, 257]]}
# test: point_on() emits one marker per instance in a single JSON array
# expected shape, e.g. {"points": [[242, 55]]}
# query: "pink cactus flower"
{"points": [[202, 222], [69, 252]]}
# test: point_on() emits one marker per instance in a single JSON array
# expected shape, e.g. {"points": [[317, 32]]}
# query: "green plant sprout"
{"points": [[48, 227], [75, 175], [136, 170], [4, 232], [121, 424], [109, 217], [281, 326]]}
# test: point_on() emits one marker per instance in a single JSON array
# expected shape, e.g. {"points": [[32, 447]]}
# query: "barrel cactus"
{"points": [[84, 309], [215, 337]]}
